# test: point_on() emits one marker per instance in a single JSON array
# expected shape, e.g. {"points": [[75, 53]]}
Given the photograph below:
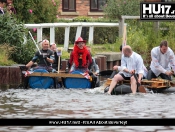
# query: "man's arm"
{"points": [[97, 70], [51, 57], [70, 60], [50, 60], [89, 59], [124, 65], [172, 60], [156, 63], [34, 59], [140, 68], [29, 64]]}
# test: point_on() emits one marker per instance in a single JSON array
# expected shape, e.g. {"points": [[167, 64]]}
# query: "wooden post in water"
{"points": [[4, 74], [10, 77], [15, 78]]}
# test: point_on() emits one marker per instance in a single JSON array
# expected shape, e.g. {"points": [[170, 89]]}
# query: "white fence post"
{"points": [[91, 35], [122, 22], [52, 34], [39, 34], [66, 38], [78, 33]]}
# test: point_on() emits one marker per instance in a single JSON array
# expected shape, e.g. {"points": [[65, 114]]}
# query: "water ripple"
{"points": [[73, 103]]}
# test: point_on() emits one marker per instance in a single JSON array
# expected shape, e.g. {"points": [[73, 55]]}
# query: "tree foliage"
{"points": [[14, 34], [36, 11], [114, 9]]}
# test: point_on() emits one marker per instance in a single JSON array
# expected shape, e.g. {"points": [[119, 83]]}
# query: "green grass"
{"points": [[5, 51]]}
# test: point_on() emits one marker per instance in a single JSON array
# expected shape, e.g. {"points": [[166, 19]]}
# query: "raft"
{"points": [[151, 86], [42, 79]]}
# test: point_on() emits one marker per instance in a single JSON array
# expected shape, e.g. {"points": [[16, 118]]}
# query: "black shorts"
{"points": [[128, 78], [125, 78]]}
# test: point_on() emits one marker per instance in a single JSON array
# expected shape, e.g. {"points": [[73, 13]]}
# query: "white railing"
{"points": [[122, 23], [67, 26]]}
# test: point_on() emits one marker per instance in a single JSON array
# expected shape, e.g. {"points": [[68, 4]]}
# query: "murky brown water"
{"points": [[72, 103]]}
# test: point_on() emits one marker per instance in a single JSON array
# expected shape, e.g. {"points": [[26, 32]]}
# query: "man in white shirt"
{"points": [[119, 68], [163, 60], [131, 63]]}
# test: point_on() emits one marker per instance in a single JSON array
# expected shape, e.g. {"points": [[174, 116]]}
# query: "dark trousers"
{"points": [[162, 75]]}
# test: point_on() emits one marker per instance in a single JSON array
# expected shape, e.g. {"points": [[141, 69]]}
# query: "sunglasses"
{"points": [[80, 43]]}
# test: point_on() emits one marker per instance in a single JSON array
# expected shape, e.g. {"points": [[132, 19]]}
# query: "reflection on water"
{"points": [[81, 103]]}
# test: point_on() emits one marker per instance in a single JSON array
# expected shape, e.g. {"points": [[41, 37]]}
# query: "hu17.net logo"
{"points": [[157, 11]]}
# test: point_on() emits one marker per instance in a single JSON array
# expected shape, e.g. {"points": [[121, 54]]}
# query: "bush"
{"points": [[36, 11], [13, 33], [114, 9]]}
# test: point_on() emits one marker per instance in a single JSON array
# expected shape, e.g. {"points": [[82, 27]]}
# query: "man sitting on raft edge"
{"points": [[131, 63]]}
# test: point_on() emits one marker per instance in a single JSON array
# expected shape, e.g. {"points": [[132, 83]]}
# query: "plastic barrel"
{"points": [[77, 82], [41, 82]]}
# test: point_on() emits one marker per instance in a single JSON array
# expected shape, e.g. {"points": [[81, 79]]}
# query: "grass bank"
{"points": [[5, 52]]}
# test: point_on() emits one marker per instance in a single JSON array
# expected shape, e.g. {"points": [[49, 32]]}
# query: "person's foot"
{"points": [[108, 93]]}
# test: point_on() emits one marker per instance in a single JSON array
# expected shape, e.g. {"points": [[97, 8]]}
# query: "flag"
{"points": [[27, 73], [86, 75]]}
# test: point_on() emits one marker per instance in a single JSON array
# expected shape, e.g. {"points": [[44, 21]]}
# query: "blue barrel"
{"points": [[71, 82], [41, 82]]}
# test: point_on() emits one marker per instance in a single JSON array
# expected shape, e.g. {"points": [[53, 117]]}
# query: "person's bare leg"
{"points": [[133, 85], [114, 82]]}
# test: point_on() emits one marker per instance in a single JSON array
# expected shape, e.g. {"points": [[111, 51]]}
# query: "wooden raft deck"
{"points": [[41, 74], [154, 83]]}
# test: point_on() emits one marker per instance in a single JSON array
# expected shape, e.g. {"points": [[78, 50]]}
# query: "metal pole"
{"points": [[35, 43]]}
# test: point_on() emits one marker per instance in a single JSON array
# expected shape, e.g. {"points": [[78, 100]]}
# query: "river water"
{"points": [[84, 103]]}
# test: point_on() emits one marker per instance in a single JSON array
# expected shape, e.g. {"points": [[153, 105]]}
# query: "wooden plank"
{"points": [[56, 75], [157, 83]]}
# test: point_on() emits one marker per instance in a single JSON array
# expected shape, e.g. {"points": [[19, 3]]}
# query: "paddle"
{"points": [[59, 53], [38, 50], [140, 88]]}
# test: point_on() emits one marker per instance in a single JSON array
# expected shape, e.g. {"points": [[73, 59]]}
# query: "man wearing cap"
{"points": [[80, 58], [45, 56], [53, 47], [2, 4]]}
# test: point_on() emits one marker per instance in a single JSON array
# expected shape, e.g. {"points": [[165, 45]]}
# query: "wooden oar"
{"points": [[140, 87], [59, 53]]}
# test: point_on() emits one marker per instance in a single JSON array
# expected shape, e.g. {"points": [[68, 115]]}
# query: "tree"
{"points": [[36, 11], [14, 34], [114, 9]]}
